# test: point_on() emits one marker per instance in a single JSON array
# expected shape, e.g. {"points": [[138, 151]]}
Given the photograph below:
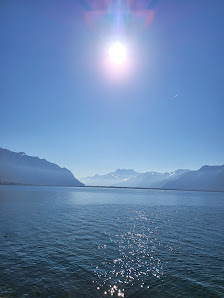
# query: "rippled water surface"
{"points": [[92, 242]]}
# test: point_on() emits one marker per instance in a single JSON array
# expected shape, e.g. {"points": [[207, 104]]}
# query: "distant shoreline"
{"points": [[111, 187], [154, 188]]}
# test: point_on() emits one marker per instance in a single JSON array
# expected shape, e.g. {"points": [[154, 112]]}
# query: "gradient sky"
{"points": [[57, 103]]}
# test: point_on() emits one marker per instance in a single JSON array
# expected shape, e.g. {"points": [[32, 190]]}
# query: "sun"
{"points": [[117, 53], [118, 59]]}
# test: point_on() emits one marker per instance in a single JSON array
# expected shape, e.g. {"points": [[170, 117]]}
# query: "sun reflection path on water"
{"points": [[129, 257]]}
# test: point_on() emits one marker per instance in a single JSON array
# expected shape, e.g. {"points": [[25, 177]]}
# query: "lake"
{"points": [[95, 242]]}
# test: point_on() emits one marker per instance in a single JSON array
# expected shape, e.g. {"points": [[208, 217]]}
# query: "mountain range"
{"points": [[206, 178], [19, 168]]}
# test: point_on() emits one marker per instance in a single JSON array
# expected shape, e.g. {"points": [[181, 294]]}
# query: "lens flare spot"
{"points": [[117, 53]]}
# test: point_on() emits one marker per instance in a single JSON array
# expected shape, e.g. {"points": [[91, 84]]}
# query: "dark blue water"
{"points": [[77, 242]]}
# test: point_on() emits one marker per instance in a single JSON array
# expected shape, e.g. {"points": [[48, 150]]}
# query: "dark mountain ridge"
{"points": [[23, 169], [206, 178]]}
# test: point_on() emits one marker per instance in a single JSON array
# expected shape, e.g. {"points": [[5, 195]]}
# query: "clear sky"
{"points": [[58, 102]]}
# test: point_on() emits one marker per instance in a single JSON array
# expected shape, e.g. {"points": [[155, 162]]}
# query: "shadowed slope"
{"points": [[20, 168]]}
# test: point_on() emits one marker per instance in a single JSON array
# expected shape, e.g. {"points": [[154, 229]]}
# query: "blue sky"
{"points": [[58, 104]]}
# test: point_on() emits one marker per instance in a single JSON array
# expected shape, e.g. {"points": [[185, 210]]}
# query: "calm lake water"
{"points": [[90, 242]]}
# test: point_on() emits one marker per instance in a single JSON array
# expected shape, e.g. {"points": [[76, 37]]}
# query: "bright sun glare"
{"points": [[117, 53]]}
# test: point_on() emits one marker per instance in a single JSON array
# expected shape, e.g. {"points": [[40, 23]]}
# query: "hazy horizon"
{"points": [[112, 170]]}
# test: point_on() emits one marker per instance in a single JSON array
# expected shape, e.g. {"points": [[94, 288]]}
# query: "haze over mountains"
{"points": [[23, 169], [206, 178], [130, 178], [110, 179], [19, 168]]}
